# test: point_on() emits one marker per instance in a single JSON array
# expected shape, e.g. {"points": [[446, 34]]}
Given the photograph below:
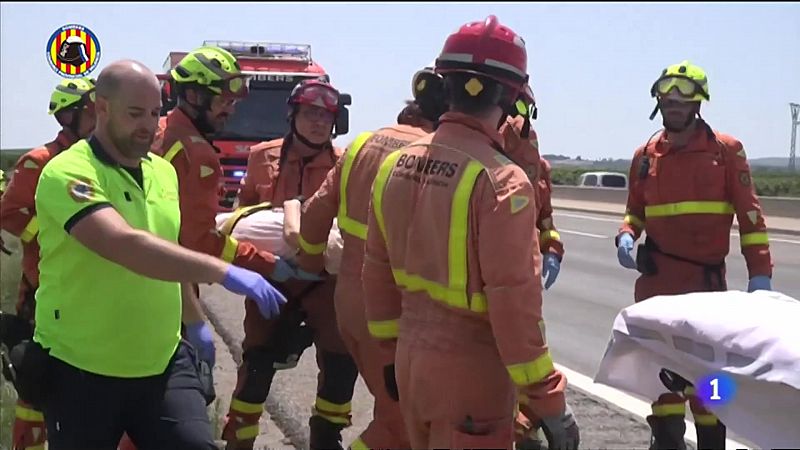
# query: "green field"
{"points": [[768, 182]]}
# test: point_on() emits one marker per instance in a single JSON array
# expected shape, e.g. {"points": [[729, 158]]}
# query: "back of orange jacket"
{"points": [[359, 166], [18, 208], [452, 238]]}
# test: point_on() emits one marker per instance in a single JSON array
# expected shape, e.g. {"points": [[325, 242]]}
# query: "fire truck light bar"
{"points": [[267, 50]]}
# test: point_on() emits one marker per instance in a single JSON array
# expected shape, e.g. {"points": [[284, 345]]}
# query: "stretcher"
{"points": [[753, 338], [276, 230]]}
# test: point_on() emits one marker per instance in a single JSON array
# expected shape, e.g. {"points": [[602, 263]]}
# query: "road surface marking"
{"points": [[604, 219], [581, 233], [627, 402], [581, 216]]}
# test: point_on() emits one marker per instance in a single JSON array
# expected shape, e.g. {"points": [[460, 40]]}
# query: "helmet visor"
{"points": [[234, 87], [687, 87], [319, 96]]}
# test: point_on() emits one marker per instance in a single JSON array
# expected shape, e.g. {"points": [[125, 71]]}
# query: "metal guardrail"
{"points": [[772, 206]]}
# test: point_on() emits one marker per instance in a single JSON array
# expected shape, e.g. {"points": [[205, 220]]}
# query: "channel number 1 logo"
{"points": [[73, 51], [716, 389]]}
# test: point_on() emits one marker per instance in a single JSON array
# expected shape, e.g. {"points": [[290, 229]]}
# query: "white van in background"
{"points": [[614, 180]]}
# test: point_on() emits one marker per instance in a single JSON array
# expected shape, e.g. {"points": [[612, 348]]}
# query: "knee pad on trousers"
{"points": [[291, 347], [339, 374], [324, 434], [290, 339], [259, 365]]}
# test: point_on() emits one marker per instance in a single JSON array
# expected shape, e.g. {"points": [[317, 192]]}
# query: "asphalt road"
{"points": [[579, 309], [592, 287]]}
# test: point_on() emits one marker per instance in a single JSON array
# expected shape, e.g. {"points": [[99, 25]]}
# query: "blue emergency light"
{"points": [[269, 50]]}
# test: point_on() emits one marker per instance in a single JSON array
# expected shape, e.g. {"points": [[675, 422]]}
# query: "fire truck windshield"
{"points": [[260, 116]]}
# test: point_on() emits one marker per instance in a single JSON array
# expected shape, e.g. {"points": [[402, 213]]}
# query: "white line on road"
{"points": [[627, 402], [604, 219], [580, 216], [581, 233]]}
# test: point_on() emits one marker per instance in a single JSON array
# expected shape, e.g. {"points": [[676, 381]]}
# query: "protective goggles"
{"points": [[321, 96], [234, 87], [686, 86]]}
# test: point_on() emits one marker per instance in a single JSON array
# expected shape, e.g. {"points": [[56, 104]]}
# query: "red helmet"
{"points": [[315, 93], [486, 48]]}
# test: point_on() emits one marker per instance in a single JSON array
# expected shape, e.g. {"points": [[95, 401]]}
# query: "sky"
{"points": [[591, 65]]}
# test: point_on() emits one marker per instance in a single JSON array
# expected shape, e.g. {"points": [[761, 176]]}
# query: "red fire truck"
{"points": [[274, 69]]}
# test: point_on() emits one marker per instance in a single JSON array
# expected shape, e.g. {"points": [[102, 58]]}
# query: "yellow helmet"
{"points": [[689, 79], [70, 92], [214, 68]]}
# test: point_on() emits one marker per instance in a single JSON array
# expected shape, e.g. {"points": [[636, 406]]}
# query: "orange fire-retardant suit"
{"points": [[451, 236], [18, 214], [686, 201], [525, 153], [18, 217], [346, 193], [276, 173], [197, 165]]}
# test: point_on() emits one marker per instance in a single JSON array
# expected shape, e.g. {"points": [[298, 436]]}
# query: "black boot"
{"points": [[324, 434], [711, 437], [667, 432]]}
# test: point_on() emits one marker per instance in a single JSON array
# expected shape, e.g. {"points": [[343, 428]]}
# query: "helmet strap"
{"points": [[74, 124], [197, 114]]}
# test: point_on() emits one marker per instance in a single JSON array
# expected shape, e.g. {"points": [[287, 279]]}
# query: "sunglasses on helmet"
{"points": [[232, 87], [686, 86]]}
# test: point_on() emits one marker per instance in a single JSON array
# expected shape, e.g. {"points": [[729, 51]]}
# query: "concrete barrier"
{"points": [[772, 206]]}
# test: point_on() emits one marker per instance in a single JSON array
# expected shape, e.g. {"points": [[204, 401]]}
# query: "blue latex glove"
{"points": [[624, 250], [301, 274], [551, 266], [759, 282], [199, 334], [283, 271], [251, 284]]}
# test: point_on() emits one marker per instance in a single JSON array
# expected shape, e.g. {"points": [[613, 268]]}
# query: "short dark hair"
{"points": [[410, 115], [492, 93]]}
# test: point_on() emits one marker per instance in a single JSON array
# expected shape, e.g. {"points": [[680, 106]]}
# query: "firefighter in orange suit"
{"points": [[686, 184], [523, 149], [452, 237], [281, 170], [72, 104], [346, 195]]}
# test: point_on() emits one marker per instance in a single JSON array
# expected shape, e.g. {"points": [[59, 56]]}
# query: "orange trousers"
{"points": [[461, 399], [387, 429]]}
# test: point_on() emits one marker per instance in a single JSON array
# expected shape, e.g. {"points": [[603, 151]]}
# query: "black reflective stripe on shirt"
{"points": [[83, 213]]}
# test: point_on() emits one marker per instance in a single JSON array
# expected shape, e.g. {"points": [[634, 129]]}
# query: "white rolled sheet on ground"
{"points": [[265, 229], [753, 337]]}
